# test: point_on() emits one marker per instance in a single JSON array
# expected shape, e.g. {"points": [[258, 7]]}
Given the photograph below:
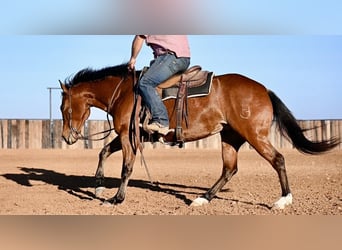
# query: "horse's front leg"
{"points": [[113, 146], [127, 169]]}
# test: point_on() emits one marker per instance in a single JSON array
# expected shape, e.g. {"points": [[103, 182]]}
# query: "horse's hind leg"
{"points": [[230, 147], [113, 146], [266, 150]]}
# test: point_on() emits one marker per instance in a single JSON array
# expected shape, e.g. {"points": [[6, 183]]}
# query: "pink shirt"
{"points": [[176, 43]]}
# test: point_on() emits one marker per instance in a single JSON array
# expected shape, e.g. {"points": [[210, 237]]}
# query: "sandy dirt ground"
{"points": [[61, 182]]}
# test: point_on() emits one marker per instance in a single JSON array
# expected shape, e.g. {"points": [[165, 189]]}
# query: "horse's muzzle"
{"points": [[69, 139]]}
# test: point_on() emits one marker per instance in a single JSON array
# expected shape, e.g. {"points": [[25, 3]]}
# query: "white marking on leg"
{"points": [[107, 204], [200, 201], [99, 191], [283, 202]]}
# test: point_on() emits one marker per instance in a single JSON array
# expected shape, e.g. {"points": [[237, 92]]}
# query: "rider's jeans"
{"points": [[163, 67]]}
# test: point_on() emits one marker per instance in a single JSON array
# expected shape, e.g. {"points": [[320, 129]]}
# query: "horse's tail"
{"points": [[289, 128]]}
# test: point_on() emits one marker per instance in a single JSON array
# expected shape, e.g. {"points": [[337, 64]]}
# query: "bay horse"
{"points": [[238, 108]]}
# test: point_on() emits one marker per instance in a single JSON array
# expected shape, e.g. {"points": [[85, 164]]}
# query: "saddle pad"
{"points": [[203, 90]]}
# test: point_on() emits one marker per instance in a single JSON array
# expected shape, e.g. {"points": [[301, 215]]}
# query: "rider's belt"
{"points": [[161, 51]]}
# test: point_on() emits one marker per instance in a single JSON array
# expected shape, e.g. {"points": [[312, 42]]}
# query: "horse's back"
{"points": [[236, 81], [239, 88]]}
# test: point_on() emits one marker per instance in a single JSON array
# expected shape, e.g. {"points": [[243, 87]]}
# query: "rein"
{"points": [[135, 129]]}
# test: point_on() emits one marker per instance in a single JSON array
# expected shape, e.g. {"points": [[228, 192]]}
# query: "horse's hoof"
{"points": [[200, 201], [108, 203], [283, 202], [112, 201], [99, 191]]}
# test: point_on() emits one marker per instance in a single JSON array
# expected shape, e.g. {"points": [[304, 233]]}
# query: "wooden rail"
{"points": [[46, 134]]}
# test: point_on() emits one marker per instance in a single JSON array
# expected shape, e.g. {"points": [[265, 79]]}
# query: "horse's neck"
{"points": [[105, 92]]}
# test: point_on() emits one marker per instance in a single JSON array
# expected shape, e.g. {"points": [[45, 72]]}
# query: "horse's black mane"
{"points": [[88, 74]]}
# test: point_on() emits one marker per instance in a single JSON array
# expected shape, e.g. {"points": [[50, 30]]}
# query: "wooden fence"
{"points": [[46, 134]]}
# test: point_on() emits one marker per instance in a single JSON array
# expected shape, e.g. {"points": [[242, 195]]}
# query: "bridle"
{"points": [[76, 134]]}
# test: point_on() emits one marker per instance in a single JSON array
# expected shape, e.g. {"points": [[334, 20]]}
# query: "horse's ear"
{"points": [[63, 86]]}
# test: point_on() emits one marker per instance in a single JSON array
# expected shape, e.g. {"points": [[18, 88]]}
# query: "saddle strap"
{"points": [[181, 111]]}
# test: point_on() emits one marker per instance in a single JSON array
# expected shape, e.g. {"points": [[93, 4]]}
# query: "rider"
{"points": [[171, 56]]}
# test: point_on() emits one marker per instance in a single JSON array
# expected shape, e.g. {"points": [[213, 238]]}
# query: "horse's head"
{"points": [[75, 111]]}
